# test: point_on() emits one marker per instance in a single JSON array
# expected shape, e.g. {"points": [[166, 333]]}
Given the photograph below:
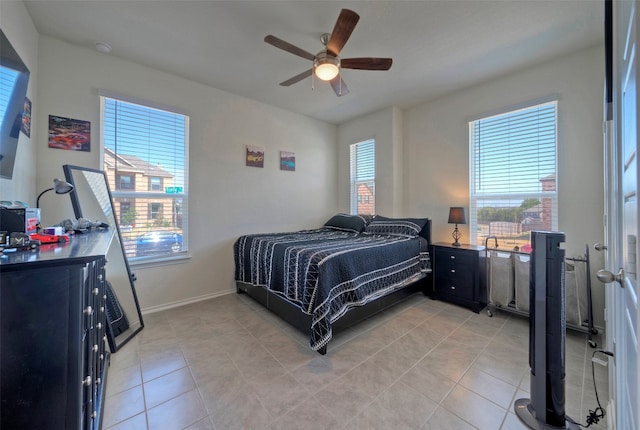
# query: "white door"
{"points": [[622, 229]]}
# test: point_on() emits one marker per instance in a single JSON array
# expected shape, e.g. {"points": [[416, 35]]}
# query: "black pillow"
{"points": [[344, 222], [407, 227]]}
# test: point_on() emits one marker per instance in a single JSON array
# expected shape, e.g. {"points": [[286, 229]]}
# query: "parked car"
{"points": [[158, 242]]}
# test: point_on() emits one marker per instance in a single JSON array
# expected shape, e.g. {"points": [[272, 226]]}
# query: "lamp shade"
{"points": [[59, 186], [457, 216]]}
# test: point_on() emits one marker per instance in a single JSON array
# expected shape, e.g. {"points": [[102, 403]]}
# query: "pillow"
{"points": [[407, 227], [344, 222]]}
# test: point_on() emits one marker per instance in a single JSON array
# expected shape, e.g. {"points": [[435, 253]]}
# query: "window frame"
{"points": [[178, 197], [545, 197], [355, 198]]}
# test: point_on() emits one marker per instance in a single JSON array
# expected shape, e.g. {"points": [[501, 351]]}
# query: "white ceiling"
{"points": [[437, 46]]}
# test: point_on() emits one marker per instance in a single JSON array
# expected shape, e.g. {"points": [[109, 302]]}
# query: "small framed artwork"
{"points": [[288, 161], [70, 134], [26, 118], [254, 156]]}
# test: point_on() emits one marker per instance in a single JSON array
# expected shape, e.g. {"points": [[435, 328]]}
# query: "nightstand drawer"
{"points": [[461, 286]]}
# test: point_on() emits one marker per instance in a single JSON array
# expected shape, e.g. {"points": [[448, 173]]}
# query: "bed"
{"points": [[326, 279]]}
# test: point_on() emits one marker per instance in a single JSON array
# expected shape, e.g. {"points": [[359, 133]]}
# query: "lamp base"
{"points": [[456, 235]]}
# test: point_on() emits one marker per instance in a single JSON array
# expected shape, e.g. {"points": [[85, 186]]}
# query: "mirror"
{"points": [[14, 79], [91, 199]]}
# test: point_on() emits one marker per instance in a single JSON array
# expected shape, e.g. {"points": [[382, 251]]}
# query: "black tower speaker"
{"points": [[547, 331]]}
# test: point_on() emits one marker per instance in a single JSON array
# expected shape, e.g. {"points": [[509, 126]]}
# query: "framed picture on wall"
{"points": [[288, 161], [70, 134], [26, 118], [254, 156]]}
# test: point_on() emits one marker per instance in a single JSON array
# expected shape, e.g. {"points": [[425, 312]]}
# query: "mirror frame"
{"points": [[68, 173]]}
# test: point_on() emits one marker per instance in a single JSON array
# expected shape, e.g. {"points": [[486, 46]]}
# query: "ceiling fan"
{"points": [[326, 63]]}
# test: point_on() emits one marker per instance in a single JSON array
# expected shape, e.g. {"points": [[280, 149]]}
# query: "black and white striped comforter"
{"points": [[326, 272]]}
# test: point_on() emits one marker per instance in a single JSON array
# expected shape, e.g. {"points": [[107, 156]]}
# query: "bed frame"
{"points": [[295, 317]]}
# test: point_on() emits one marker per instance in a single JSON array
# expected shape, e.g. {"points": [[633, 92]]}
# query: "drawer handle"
{"points": [[453, 270], [453, 288], [88, 310], [87, 381], [453, 257]]}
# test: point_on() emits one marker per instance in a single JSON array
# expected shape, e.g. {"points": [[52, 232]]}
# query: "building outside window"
{"points": [[363, 177], [513, 175], [146, 161]]}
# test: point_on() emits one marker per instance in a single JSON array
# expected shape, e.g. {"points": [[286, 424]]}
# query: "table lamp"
{"points": [[456, 216]]}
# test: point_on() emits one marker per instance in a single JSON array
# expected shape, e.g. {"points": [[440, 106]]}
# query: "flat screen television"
{"points": [[14, 80]]}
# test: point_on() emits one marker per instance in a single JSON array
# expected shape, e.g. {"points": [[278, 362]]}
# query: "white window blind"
{"points": [[145, 157], [363, 177], [8, 78], [513, 174]]}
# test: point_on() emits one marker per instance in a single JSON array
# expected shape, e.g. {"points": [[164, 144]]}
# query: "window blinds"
{"points": [[145, 157], [513, 174], [363, 176], [514, 152]]}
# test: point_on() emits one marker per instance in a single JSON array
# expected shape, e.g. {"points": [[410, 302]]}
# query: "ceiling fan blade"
{"points": [[297, 78], [344, 27], [339, 87], [286, 46], [367, 63]]}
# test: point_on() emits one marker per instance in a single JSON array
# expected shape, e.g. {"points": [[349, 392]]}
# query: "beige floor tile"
{"points": [[442, 419], [123, 405], [489, 387], [177, 413], [227, 363], [168, 386], [137, 422], [474, 409]]}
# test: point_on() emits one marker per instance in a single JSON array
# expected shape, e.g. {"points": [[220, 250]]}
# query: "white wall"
{"points": [[227, 199], [436, 149], [383, 126], [19, 29]]}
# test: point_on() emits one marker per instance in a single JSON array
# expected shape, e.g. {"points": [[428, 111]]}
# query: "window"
{"points": [[155, 211], [363, 177], [145, 158], [513, 175], [155, 184], [125, 182]]}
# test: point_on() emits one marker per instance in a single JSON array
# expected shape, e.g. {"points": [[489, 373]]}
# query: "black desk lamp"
{"points": [[456, 216], [59, 186]]}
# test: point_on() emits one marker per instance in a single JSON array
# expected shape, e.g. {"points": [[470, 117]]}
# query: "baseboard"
{"points": [[164, 307]]}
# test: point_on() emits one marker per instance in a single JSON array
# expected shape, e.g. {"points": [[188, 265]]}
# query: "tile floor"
{"points": [[227, 363]]}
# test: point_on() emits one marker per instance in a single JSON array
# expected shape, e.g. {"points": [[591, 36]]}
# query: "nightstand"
{"points": [[459, 275]]}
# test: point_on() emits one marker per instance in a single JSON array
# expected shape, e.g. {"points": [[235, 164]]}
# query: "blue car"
{"points": [[158, 242]]}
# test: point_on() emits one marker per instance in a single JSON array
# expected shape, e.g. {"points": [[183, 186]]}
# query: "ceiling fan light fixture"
{"points": [[326, 67]]}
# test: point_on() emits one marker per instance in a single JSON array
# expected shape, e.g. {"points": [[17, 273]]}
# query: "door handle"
{"points": [[600, 247], [607, 277]]}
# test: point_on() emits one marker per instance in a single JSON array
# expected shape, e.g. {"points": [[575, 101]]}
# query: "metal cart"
{"points": [[508, 285]]}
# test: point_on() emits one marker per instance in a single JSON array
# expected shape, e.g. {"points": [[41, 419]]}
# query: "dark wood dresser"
{"points": [[459, 275], [53, 358]]}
